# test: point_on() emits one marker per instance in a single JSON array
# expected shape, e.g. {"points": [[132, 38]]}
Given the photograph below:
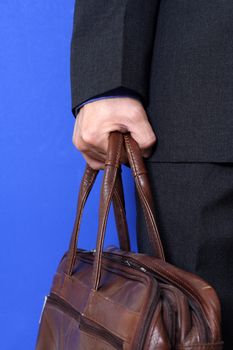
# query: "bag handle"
{"points": [[143, 187], [86, 185], [120, 213], [116, 141]]}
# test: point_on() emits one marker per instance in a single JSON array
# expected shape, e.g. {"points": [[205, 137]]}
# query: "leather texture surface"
{"points": [[118, 299]]}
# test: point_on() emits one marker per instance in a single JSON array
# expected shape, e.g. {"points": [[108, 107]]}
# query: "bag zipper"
{"points": [[136, 266], [85, 324]]}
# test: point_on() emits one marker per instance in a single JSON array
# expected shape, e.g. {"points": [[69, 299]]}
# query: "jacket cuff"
{"points": [[117, 92]]}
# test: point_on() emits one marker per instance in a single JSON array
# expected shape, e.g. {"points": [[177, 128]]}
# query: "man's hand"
{"points": [[97, 119]]}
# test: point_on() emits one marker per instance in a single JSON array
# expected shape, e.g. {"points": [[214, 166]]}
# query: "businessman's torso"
{"points": [[191, 81]]}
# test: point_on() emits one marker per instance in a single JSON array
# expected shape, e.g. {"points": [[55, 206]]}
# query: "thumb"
{"points": [[145, 137]]}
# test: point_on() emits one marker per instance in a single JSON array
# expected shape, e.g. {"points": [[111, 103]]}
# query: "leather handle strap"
{"points": [[116, 142], [145, 194], [84, 190], [112, 164], [120, 213], [86, 185]]}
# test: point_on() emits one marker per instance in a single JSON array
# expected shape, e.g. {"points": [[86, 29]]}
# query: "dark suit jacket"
{"points": [[176, 54]]}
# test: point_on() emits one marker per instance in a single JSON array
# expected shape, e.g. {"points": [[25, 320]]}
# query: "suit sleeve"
{"points": [[118, 92], [111, 47]]}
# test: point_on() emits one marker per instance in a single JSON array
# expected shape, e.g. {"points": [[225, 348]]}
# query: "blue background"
{"points": [[40, 168]]}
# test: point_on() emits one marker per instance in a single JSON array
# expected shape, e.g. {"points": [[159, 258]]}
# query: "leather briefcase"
{"points": [[118, 299]]}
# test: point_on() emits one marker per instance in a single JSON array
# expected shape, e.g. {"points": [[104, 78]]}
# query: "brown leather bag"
{"points": [[118, 299]]}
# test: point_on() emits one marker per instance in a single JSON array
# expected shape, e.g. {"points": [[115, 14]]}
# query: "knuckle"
{"points": [[148, 142], [79, 145], [152, 140], [135, 115], [88, 138]]}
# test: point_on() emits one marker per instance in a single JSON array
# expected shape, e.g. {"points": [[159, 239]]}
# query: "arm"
{"points": [[111, 47]]}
